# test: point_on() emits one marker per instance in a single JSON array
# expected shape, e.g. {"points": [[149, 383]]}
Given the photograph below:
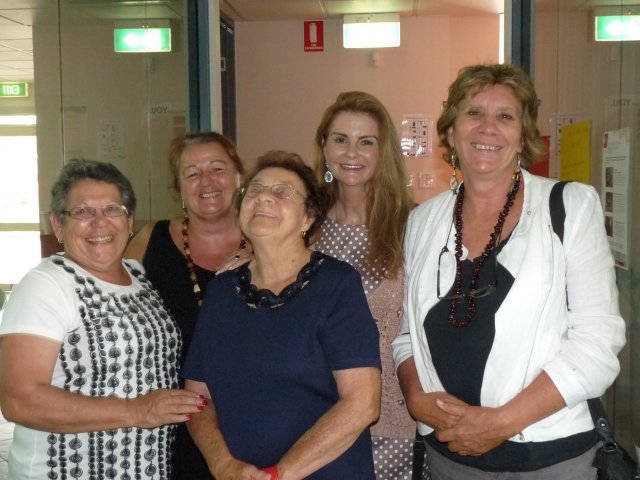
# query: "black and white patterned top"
{"points": [[115, 341]]}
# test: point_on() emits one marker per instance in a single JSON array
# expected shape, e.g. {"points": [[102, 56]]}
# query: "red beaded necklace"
{"points": [[493, 243], [197, 291]]}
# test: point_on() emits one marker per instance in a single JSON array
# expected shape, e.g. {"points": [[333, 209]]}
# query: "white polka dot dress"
{"points": [[392, 458], [350, 243]]}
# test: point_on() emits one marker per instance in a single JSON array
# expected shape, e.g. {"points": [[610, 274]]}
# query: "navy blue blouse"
{"points": [[268, 360]]}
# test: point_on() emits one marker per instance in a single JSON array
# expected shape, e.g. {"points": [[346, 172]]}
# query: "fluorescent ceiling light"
{"points": [[617, 28], [373, 30]]}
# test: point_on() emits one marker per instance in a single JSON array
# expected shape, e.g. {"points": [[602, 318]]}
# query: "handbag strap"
{"points": [[419, 452], [556, 209], [601, 421]]}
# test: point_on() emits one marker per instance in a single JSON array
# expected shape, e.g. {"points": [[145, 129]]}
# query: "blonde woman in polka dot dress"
{"points": [[358, 157]]}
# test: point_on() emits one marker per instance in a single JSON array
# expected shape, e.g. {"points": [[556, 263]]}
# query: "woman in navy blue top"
{"points": [[285, 348]]}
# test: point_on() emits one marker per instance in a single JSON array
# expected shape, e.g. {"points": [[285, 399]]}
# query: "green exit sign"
{"points": [[137, 40], [14, 89], [617, 28]]}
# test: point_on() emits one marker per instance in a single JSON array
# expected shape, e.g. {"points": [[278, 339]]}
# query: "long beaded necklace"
{"points": [[493, 243], [197, 291]]}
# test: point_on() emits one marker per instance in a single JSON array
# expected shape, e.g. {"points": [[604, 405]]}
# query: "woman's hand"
{"points": [[28, 398], [422, 406], [478, 429], [161, 407], [481, 429], [234, 469], [237, 258]]}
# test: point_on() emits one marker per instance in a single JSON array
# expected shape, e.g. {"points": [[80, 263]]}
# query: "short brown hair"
{"points": [[474, 78], [179, 144]]}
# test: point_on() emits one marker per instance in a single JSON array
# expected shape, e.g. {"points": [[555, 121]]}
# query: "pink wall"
{"points": [[282, 90]]}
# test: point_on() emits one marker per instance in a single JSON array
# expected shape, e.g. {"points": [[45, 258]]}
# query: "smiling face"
{"points": [[352, 148], [487, 132], [208, 180], [266, 217], [96, 244]]}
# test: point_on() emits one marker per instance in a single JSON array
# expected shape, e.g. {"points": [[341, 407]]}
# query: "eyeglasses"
{"points": [[281, 191], [86, 213], [475, 293]]}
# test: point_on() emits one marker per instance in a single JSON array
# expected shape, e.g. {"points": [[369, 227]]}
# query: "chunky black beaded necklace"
{"points": [[493, 243]]}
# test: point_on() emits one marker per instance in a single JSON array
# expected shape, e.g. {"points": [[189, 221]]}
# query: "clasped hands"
{"points": [[467, 429], [234, 469]]}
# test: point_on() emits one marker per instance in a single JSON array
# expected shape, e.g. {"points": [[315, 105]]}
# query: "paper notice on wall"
{"points": [[575, 152], [615, 191], [557, 121], [75, 132], [111, 140], [417, 135]]}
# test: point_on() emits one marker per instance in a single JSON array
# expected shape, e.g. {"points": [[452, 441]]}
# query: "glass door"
{"points": [[580, 79], [94, 97]]}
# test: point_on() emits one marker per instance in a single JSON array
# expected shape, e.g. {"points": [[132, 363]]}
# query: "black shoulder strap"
{"points": [[556, 209]]}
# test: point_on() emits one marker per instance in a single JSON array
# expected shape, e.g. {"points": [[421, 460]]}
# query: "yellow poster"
{"points": [[575, 151]]}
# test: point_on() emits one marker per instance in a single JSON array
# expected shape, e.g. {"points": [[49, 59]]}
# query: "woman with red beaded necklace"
{"points": [[181, 255], [493, 365]]}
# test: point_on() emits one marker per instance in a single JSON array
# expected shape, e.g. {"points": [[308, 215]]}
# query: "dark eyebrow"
{"points": [[345, 135]]}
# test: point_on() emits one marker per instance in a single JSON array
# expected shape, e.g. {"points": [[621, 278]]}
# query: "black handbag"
{"points": [[612, 460]]}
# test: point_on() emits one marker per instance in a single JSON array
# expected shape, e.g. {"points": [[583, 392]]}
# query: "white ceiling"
{"points": [[18, 16]]}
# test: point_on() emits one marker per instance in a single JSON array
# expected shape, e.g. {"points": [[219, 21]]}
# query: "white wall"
{"points": [[282, 90]]}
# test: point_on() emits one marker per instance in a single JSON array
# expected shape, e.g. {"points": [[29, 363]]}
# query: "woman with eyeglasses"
{"points": [[182, 254], [360, 162], [285, 350], [508, 330], [88, 353]]}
